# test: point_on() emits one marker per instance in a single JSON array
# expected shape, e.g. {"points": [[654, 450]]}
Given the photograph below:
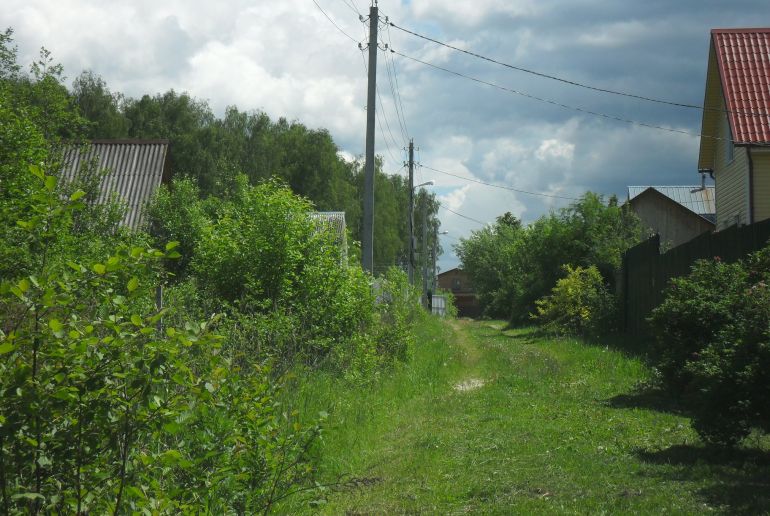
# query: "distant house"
{"points": [[457, 281], [134, 169], [736, 125], [676, 213]]}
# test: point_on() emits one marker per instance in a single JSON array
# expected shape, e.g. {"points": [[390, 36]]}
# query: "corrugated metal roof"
{"points": [[134, 171], [693, 197], [744, 67]]}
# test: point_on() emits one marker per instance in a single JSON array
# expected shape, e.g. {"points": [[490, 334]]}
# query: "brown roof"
{"points": [[743, 57], [134, 171]]}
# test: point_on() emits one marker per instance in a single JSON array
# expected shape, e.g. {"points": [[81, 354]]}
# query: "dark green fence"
{"points": [[646, 272]]}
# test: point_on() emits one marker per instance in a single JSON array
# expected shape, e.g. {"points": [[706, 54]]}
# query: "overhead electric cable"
{"points": [[566, 106], [354, 40], [477, 221], [352, 7], [510, 188], [387, 124], [399, 115], [575, 83]]}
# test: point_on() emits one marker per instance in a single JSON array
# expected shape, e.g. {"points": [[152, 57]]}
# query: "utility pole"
{"points": [[367, 237], [425, 251], [410, 268]]}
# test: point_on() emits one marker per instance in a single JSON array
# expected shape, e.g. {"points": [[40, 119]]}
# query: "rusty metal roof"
{"points": [[695, 198], [743, 57], [134, 171]]}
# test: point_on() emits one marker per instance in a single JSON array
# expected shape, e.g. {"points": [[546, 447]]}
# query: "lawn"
{"points": [[490, 420]]}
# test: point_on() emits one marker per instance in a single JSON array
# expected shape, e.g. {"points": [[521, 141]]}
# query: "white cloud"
{"points": [[555, 149]]}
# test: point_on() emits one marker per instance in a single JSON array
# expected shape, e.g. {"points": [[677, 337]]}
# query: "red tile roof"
{"points": [[744, 67]]}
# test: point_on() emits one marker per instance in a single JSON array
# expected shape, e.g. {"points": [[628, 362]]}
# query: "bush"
{"points": [[101, 411], [714, 339], [579, 304], [695, 310], [398, 309]]}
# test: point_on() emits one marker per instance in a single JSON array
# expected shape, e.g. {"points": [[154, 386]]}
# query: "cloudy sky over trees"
{"points": [[287, 58]]}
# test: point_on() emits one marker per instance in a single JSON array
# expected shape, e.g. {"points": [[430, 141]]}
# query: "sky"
{"points": [[301, 59]]}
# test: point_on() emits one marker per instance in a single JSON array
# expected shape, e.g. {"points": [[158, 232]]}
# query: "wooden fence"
{"points": [[646, 271]]}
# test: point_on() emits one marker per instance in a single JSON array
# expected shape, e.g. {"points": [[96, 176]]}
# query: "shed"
{"points": [[676, 213]]}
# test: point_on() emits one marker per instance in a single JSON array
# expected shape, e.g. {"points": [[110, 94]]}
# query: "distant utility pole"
{"points": [[425, 251], [411, 212], [367, 238]]}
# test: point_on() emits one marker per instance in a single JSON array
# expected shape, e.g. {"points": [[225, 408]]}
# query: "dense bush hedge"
{"points": [[714, 345]]}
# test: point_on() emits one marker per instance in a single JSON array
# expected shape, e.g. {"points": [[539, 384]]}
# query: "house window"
{"points": [[456, 284]]}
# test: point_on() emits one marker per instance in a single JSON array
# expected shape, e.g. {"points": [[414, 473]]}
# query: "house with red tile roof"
{"points": [[735, 141]]}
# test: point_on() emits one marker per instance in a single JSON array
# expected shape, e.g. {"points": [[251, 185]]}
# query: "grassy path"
{"points": [[491, 421]]}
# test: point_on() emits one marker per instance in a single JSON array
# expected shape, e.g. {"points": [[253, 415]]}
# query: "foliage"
{"points": [[88, 382], [176, 214], [512, 266], [109, 403], [579, 304], [101, 107], [398, 310], [101, 409], [695, 310], [214, 152], [714, 337]]}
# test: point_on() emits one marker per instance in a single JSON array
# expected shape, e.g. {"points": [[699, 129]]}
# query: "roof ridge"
{"points": [[741, 30]]}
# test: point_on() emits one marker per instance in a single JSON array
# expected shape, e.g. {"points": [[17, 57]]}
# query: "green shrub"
{"points": [[398, 309], [714, 336], [696, 309], [579, 304], [101, 411]]}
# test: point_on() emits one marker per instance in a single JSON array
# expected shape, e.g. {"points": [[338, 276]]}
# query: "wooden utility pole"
{"points": [[410, 268], [367, 236]]}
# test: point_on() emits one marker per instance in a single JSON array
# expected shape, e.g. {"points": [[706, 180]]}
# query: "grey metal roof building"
{"points": [[695, 198], [134, 171], [676, 213]]}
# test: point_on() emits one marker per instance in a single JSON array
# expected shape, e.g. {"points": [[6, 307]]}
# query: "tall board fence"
{"points": [[646, 272]]}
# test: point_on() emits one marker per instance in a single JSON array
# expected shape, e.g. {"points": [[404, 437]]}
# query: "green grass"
{"points": [[558, 426]]}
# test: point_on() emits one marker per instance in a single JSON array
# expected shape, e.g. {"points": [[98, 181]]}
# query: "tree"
{"points": [[513, 266], [101, 107]]}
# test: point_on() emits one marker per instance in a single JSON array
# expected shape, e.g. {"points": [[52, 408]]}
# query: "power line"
{"points": [[354, 40], [394, 87], [566, 106], [399, 116], [510, 188], [352, 7], [387, 124], [575, 83], [477, 221]]}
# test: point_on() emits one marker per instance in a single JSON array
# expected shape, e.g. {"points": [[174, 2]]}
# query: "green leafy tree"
{"points": [[101, 107], [513, 266]]}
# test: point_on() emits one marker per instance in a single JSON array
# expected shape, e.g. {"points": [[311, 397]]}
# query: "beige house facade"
{"points": [[735, 141]]}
